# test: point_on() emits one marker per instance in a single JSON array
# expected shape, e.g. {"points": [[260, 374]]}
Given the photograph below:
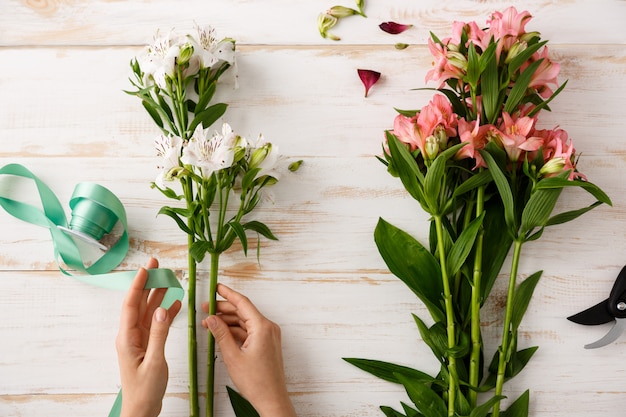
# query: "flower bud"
{"points": [[259, 155], [324, 23], [341, 11], [239, 148], [458, 60], [553, 166], [517, 48], [175, 173], [431, 148], [441, 137], [529, 36], [294, 166], [185, 54]]}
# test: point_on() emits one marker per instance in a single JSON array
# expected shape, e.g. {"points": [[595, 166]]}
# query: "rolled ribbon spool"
{"points": [[95, 212]]}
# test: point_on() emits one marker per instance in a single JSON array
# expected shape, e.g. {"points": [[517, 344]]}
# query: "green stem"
{"points": [[452, 385], [210, 379], [504, 353], [194, 409], [474, 366]]}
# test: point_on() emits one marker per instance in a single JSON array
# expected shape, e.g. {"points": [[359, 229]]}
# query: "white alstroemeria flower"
{"points": [[211, 51], [169, 149], [265, 156], [210, 154], [159, 59]]}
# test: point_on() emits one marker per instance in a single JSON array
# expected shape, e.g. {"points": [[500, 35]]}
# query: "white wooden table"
{"points": [[63, 66]]}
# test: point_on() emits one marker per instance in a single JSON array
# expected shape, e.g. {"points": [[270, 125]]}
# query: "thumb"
{"points": [[222, 335], [158, 335]]}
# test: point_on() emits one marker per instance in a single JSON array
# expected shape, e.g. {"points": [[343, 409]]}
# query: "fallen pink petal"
{"points": [[393, 27], [369, 78]]}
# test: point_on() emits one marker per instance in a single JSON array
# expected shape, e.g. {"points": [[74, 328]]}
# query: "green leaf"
{"points": [[425, 399], [473, 66], [407, 259], [388, 371], [490, 89], [205, 97], [171, 212], [208, 116], [480, 178], [407, 169], [521, 85], [519, 408], [463, 245], [523, 294], [496, 245], [241, 406], [435, 338], [407, 113], [506, 196], [538, 209], [241, 234], [520, 360], [390, 412], [523, 57], [559, 182], [544, 103], [410, 411], [199, 249], [260, 228], [433, 180], [570, 215], [483, 409], [152, 111]]}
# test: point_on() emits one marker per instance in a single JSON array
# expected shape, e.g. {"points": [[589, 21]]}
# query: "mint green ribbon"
{"points": [[95, 212]]}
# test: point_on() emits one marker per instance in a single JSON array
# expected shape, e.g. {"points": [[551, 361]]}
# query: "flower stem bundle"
{"points": [[477, 162], [218, 175]]}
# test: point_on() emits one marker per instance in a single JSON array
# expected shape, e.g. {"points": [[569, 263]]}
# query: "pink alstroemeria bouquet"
{"points": [[218, 174], [477, 162]]}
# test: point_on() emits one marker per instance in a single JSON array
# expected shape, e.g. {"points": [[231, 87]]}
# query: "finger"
{"points": [[159, 330], [233, 320], [143, 306], [224, 338], [132, 302], [245, 308], [154, 300]]}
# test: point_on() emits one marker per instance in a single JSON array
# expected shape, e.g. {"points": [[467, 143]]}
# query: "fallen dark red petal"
{"points": [[369, 78], [393, 27]]}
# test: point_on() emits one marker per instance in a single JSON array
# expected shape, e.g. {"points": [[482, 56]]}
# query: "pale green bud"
{"points": [[553, 166], [341, 11], [457, 59], [441, 137], [324, 23], [517, 48], [529, 36], [259, 155], [175, 173], [294, 166], [239, 149], [432, 147], [185, 54]]}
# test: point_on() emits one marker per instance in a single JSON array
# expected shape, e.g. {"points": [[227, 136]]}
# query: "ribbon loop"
{"points": [[95, 212]]}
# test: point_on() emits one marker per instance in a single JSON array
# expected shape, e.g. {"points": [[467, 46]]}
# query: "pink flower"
{"points": [[559, 151], [475, 136], [368, 78], [545, 74], [405, 129], [443, 68], [516, 136], [393, 27], [506, 27]]}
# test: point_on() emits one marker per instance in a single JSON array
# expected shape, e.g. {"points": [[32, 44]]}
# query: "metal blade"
{"points": [[613, 334], [598, 314]]}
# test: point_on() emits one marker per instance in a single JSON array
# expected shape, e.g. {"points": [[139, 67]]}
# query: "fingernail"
{"points": [[161, 314]]}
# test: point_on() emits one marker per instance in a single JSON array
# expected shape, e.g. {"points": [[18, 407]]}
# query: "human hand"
{"points": [[252, 352], [140, 344]]}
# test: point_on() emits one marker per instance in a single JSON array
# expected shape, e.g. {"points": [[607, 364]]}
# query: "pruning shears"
{"points": [[611, 309]]}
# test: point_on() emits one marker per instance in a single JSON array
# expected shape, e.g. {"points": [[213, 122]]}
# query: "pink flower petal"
{"points": [[393, 27], [369, 78]]}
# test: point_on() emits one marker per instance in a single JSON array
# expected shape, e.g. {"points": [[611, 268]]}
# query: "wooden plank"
{"points": [[291, 22]]}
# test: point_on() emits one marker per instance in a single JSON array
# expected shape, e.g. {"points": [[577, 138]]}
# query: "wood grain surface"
{"points": [[64, 115]]}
